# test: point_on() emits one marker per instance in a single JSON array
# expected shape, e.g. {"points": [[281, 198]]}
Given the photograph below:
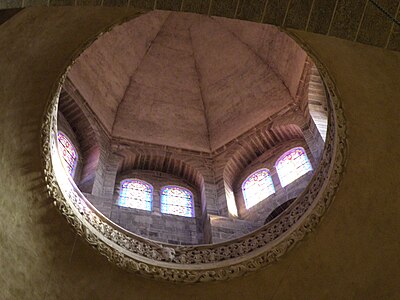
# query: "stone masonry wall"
{"points": [[259, 212], [223, 228], [65, 127], [153, 224]]}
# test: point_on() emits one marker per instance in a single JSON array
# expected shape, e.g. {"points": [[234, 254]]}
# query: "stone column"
{"points": [[104, 184]]}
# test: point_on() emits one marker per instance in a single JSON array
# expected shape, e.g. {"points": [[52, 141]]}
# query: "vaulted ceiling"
{"points": [[187, 80]]}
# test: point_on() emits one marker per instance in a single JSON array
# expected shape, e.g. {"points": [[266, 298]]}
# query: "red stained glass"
{"points": [[67, 152]]}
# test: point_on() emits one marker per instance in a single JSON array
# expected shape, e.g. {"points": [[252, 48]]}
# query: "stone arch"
{"points": [[249, 151], [195, 172], [87, 135], [244, 153], [145, 159]]}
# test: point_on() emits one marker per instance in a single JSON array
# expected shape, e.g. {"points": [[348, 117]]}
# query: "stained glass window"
{"points": [[135, 193], [176, 200], [67, 152], [257, 187], [291, 165]]}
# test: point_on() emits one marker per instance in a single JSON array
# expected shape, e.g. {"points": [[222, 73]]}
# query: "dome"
{"points": [[187, 80], [188, 129]]}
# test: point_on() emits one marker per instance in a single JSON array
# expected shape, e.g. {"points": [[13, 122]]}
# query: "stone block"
{"points": [[225, 8], [275, 12], [115, 3], [251, 10], [344, 24], [62, 2], [394, 42], [143, 4], [298, 14], [376, 26], [169, 4], [5, 4], [89, 2], [321, 16]]}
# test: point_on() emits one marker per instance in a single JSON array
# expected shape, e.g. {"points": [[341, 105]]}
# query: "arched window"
{"points": [[291, 165], [257, 187], [67, 152], [176, 200], [136, 193]]}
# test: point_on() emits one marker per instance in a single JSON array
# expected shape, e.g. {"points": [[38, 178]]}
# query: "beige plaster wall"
{"points": [[354, 254]]}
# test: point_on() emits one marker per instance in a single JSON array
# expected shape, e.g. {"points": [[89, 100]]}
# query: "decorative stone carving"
{"points": [[204, 262]]}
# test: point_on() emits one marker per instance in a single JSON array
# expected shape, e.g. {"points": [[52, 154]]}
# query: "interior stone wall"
{"points": [[87, 131], [258, 213], [314, 141], [192, 73], [317, 102], [155, 225], [353, 254], [63, 126], [224, 228], [248, 153], [167, 228]]}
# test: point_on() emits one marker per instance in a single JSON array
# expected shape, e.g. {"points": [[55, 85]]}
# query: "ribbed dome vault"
{"points": [[187, 80]]}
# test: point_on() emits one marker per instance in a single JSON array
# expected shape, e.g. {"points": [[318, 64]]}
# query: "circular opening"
{"points": [[190, 143]]}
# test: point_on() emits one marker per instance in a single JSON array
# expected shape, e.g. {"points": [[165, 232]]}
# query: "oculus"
{"points": [[161, 163]]}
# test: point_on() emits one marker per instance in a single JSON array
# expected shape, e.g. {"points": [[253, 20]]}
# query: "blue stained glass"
{"points": [[292, 165], [136, 193], [176, 200], [257, 187], [67, 152]]}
